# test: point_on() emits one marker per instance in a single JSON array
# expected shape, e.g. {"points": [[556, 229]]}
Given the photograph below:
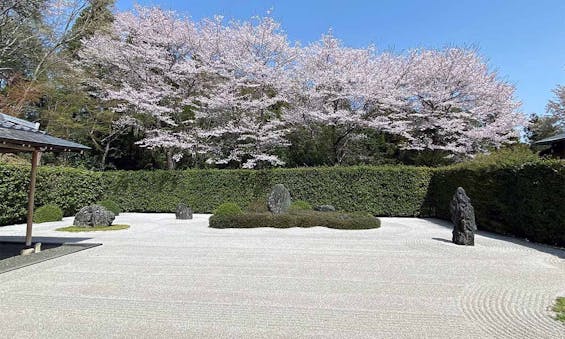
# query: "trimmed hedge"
{"points": [[47, 213], [111, 206], [335, 220], [525, 200], [382, 191], [68, 188], [228, 209], [300, 205]]}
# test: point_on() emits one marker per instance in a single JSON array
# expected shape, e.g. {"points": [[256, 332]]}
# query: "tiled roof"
{"points": [[25, 134], [551, 140]]}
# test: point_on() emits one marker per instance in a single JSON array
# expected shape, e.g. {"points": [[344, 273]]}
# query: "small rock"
{"points": [[279, 199], [463, 218], [183, 212], [324, 208], [94, 215]]}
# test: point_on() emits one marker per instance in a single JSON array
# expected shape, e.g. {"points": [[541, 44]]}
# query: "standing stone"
{"points": [[183, 212], [324, 208], [463, 218], [279, 199], [94, 215]]}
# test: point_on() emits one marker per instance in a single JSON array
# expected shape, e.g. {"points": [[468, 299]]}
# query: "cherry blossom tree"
{"points": [[331, 90], [241, 115], [556, 107], [211, 88], [232, 92], [454, 103], [147, 67]]}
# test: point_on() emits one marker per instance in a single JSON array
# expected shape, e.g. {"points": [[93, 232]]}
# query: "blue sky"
{"points": [[524, 40]]}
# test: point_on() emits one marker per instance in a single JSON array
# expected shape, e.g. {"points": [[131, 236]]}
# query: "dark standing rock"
{"points": [[94, 215], [463, 218], [183, 212], [324, 208], [279, 199]]}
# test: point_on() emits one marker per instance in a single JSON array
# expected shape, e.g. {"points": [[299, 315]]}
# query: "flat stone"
{"points": [[324, 208]]}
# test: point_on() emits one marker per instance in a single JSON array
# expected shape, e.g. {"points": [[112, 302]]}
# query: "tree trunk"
{"points": [[170, 161], [105, 155]]}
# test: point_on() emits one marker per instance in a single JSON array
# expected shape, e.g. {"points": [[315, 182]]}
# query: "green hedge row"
{"points": [[382, 191], [68, 188], [526, 200]]}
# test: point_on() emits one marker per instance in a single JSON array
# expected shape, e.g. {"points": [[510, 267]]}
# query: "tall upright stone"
{"points": [[279, 199], [463, 218]]}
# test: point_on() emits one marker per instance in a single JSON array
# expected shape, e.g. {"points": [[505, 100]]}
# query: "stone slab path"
{"points": [[176, 279]]}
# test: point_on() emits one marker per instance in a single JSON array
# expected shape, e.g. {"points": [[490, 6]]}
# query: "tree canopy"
{"points": [[153, 88]]}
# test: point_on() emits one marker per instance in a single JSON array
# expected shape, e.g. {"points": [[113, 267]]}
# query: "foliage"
{"points": [[92, 229], [559, 309], [541, 127], [524, 199], [47, 213], [383, 191], [68, 188], [300, 205], [237, 94], [39, 79], [228, 209], [257, 206], [111, 206], [504, 157], [296, 219], [556, 107]]}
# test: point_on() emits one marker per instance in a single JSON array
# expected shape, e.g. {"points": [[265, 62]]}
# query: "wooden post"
{"points": [[31, 195]]}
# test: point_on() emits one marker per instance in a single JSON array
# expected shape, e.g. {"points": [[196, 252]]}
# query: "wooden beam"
{"points": [[31, 194], [12, 148]]}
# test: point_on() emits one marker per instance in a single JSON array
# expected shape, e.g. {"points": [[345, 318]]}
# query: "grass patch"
{"points": [[559, 309], [344, 221], [92, 229]]}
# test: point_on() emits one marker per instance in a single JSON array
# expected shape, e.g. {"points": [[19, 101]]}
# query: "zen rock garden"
{"points": [[202, 176]]}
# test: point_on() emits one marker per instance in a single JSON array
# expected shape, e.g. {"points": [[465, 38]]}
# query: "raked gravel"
{"points": [[167, 278]]}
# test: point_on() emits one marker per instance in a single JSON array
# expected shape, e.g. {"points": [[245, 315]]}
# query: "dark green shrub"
{"points": [[47, 213], [110, 205], [257, 206], [228, 209], [300, 205], [302, 219]]}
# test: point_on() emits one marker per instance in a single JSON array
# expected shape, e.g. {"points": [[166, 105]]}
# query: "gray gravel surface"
{"points": [[178, 278]]}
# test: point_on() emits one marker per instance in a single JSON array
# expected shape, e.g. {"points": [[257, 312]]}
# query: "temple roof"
{"points": [[24, 136], [551, 140]]}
